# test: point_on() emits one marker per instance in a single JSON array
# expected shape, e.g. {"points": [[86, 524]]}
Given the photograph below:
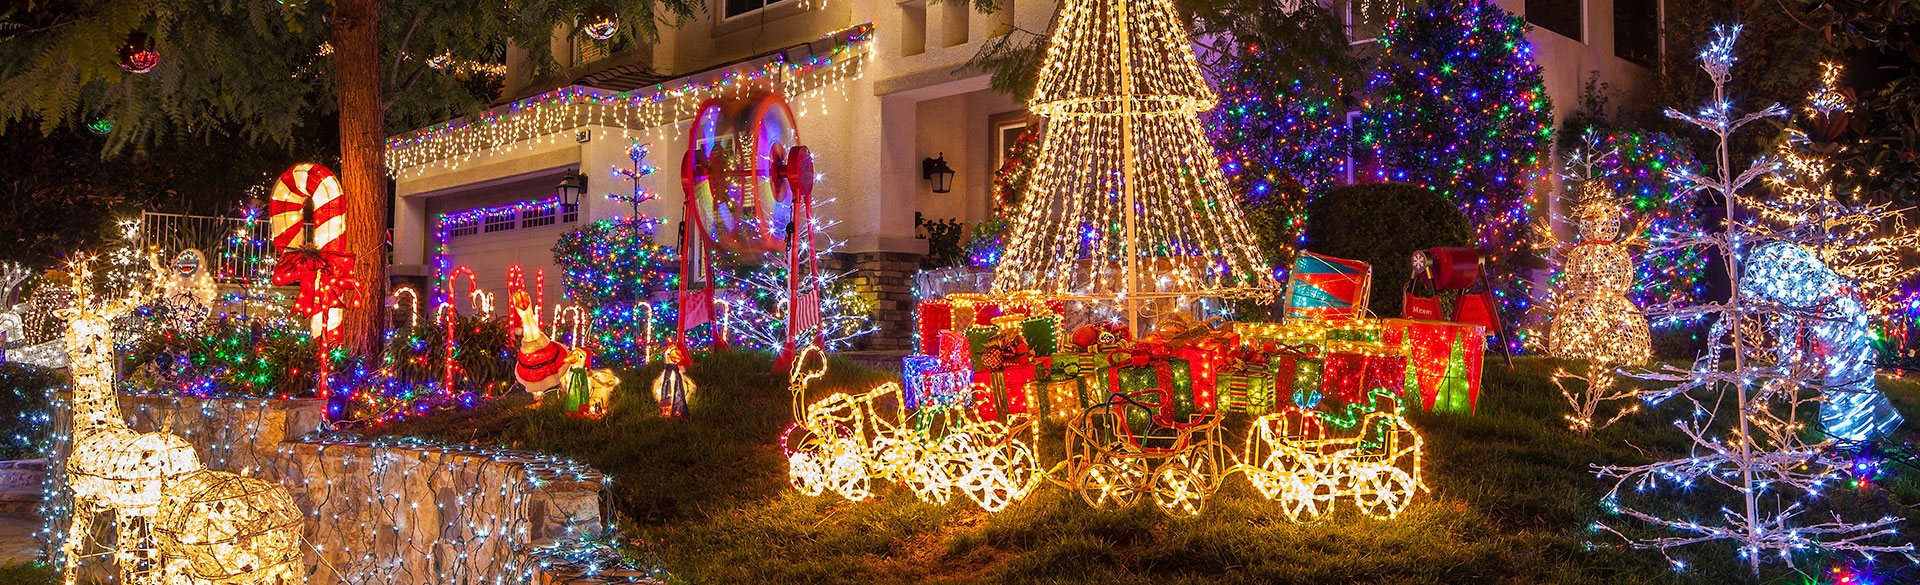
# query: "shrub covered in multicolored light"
{"points": [[1457, 104], [613, 268]]}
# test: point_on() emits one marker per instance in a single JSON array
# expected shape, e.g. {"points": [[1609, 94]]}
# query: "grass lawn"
{"points": [[1513, 497]]}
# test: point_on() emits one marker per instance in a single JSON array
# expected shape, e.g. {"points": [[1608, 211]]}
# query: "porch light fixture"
{"points": [[937, 171], [572, 186]]}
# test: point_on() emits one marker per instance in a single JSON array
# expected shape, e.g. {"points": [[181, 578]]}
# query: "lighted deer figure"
{"points": [[176, 521]]}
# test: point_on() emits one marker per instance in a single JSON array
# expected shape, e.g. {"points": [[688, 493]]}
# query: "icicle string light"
{"points": [[544, 118]]}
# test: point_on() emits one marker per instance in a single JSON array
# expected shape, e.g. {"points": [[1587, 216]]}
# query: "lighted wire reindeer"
{"points": [[176, 521]]}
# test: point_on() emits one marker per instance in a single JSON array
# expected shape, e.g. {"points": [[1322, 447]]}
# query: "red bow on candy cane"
{"points": [[325, 278]]}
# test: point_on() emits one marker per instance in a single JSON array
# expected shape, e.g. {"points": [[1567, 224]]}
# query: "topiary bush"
{"points": [[1382, 224]]}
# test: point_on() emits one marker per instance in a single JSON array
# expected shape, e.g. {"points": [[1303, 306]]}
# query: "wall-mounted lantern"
{"points": [[937, 171]]}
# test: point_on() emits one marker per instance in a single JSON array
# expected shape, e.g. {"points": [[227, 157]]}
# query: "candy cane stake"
{"points": [[313, 252]]}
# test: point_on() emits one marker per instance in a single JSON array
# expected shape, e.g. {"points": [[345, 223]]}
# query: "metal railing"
{"points": [[237, 250]]}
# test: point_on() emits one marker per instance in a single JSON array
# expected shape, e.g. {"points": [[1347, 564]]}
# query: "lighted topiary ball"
{"points": [[231, 529], [1382, 225]]}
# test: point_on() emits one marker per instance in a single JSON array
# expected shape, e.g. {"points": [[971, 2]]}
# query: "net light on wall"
{"points": [[936, 171]]}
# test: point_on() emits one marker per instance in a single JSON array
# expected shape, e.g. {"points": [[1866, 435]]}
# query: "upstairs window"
{"points": [[733, 8], [1366, 21], [1567, 17], [1633, 39]]}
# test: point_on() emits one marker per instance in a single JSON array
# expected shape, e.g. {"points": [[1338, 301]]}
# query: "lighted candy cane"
{"points": [[482, 300], [322, 266], [413, 304], [443, 314], [301, 184], [578, 326]]}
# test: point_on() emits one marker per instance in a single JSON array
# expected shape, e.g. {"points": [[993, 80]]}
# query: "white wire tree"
{"points": [[758, 315], [1761, 454]]}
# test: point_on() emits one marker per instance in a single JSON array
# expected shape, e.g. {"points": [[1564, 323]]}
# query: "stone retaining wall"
{"points": [[395, 511]]}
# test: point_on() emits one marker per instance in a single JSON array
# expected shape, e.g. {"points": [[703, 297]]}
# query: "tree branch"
{"points": [[394, 95], [401, 52]]}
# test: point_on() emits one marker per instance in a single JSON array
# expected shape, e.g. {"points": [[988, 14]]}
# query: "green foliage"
{"points": [[611, 260], [987, 242], [1280, 129], [483, 354], [1884, 158], [260, 68], [1382, 225], [26, 408], [227, 357], [58, 196], [1459, 106], [1779, 62], [29, 573]]}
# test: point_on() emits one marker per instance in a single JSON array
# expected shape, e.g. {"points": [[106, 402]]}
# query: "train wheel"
{"points": [[1179, 491], [1384, 492], [806, 473], [1309, 497], [1111, 484], [928, 480]]}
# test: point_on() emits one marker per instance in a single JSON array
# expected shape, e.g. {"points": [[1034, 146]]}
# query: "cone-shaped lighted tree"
{"points": [[1127, 204]]}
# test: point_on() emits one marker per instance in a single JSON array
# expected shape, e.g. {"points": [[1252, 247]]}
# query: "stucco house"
{"points": [[877, 87]]}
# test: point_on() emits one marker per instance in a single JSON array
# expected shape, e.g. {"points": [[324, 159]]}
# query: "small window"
{"points": [[1633, 39], [913, 28], [735, 8], [498, 221], [462, 227], [1362, 165], [1365, 21], [570, 213], [539, 216], [1566, 17]]}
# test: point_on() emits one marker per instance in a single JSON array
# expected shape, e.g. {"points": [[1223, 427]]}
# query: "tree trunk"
{"points": [[356, 65]]}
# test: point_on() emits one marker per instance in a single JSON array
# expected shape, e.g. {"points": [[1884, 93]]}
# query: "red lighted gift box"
{"points": [[1206, 357], [1347, 377], [1000, 393], [934, 316], [1443, 358]]}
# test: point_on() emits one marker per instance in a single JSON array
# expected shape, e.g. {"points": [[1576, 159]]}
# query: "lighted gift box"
{"points": [[1349, 377], [929, 384], [1042, 333], [932, 317], [1002, 392], [1247, 387], [1443, 361], [1067, 395]]}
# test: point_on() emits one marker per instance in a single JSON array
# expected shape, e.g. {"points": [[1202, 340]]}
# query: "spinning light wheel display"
{"points": [[749, 189]]}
